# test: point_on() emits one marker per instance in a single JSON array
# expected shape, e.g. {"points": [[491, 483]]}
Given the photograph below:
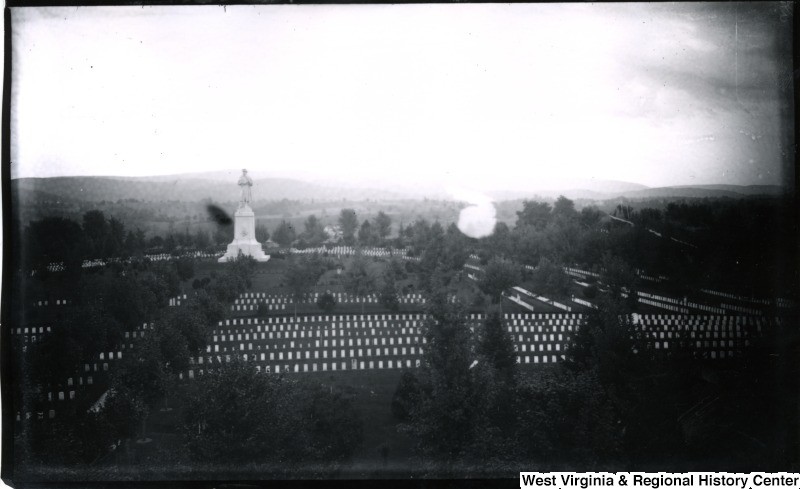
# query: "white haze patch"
{"points": [[478, 219]]}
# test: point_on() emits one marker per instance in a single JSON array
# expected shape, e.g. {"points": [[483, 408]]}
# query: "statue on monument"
{"points": [[244, 227], [245, 183]]}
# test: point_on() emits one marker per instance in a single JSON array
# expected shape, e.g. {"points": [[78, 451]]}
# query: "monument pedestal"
{"points": [[244, 237]]}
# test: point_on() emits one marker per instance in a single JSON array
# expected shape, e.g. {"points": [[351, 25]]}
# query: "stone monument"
{"points": [[244, 227]]}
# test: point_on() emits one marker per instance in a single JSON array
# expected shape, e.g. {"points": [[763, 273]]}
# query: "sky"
{"points": [[481, 96]]}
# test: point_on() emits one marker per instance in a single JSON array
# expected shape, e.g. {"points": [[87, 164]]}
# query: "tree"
{"points": [[534, 214], [284, 234], [498, 275], [185, 268], [207, 306], [190, 323], [262, 233], [202, 240], [53, 239], [359, 279], [115, 241], [564, 209], [237, 415], [388, 294], [590, 216], [301, 275], [447, 360], [95, 228], [497, 347], [455, 248], [223, 234], [500, 242], [314, 233], [170, 244], [617, 275], [549, 278], [326, 302], [349, 223], [566, 417], [366, 235], [383, 225], [123, 411]]}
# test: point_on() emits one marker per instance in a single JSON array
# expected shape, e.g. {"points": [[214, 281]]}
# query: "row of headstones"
{"points": [[699, 318], [683, 242], [657, 345], [728, 295], [642, 274], [706, 308], [335, 335], [741, 309], [101, 262], [39, 415], [350, 343], [282, 307], [31, 330], [663, 327], [190, 254], [270, 307], [541, 298], [325, 319], [277, 332], [550, 325], [69, 394], [323, 367], [176, 301], [61, 396], [415, 318], [582, 302], [701, 323], [693, 305], [661, 298], [580, 273], [356, 364], [57, 302], [249, 298], [104, 357], [111, 355], [552, 319], [515, 299], [317, 330], [720, 343], [349, 251], [524, 347], [661, 305], [695, 335], [299, 352], [284, 342]]}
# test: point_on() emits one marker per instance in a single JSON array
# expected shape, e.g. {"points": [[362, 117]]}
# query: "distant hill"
{"points": [[220, 187], [742, 189], [703, 191], [693, 191], [179, 188]]}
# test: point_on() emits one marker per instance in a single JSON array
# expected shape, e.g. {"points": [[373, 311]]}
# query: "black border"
{"points": [[7, 290]]}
